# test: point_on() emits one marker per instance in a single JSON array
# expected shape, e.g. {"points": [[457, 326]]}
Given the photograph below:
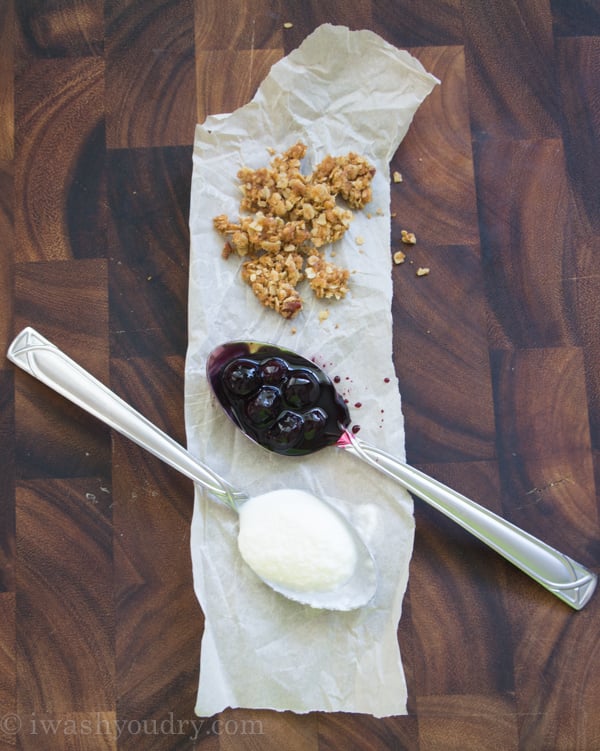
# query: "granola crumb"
{"points": [[360, 240], [326, 279], [399, 257], [397, 177], [290, 218], [323, 315], [408, 238], [349, 176], [422, 271], [273, 279], [288, 25]]}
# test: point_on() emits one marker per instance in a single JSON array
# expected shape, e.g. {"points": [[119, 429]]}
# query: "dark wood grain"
{"points": [[419, 24], [497, 352], [149, 57], [7, 483], [545, 450], [148, 193], [580, 57], [511, 69], [65, 596], [436, 160], [58, 102], [7, 256], [456, 380], [7, 124], [448, 661], [73, 28]]}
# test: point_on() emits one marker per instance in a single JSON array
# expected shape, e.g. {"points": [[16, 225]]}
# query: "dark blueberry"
{"points": [[265, 406], [241, 377], [301, 390], [314, 424], [286, 432], [273, 371]]}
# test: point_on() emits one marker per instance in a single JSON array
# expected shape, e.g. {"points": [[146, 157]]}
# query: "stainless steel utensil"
{"points": [[557, 572], [43, 360]]}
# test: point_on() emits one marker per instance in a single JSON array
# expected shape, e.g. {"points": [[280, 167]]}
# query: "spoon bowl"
{"points": [[287, 404], [256, 382]]}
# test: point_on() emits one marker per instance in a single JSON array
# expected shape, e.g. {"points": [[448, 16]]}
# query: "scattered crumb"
{"points": [[379, 212], [360, 240], [323, 315], [408, 238], [422, 271], [397, 177], [399, 257], [288, 25]]}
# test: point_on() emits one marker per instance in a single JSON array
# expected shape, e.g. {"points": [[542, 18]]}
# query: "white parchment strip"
{"points": [[339, 91]]}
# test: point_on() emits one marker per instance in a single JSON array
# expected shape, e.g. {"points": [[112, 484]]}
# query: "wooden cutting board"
{"points": [[497, 352]]}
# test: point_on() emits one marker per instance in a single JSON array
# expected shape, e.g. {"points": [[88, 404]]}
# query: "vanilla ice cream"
{"points": [[296, 541]]}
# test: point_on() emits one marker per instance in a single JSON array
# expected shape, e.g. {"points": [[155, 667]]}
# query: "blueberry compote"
{"points": [[278, 398]]}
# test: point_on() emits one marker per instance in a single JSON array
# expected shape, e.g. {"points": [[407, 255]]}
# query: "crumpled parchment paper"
{"points": [[339, 91]]}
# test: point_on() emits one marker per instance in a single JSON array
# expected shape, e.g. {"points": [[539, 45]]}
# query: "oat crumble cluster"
{"points": [[290, 219]]}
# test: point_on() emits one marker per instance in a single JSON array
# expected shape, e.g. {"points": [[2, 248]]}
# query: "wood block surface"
{"points": [[497, 352]]}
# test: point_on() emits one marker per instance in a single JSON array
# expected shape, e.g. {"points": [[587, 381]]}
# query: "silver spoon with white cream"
{"points": [[288, 405], [299, 545]]}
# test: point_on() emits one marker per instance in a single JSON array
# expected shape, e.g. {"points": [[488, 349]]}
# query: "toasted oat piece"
{"points": [[349, 176], [329, 226], [276, 188], [254, 234], [325, 278], [273, 279]]}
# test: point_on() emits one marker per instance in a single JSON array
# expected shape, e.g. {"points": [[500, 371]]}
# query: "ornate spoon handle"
{"points": [[43, 360], [555, 571]]}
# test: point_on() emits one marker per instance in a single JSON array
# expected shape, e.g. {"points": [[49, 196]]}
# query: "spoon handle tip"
{"points": [[40, 358], [557, 572]]}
